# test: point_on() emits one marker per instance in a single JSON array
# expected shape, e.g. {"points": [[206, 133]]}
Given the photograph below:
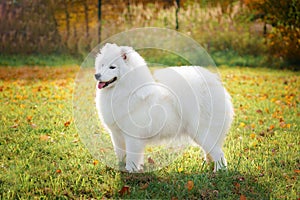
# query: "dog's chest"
{"points": [[111, 107]]}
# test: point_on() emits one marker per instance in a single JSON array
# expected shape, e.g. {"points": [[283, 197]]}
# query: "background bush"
{"points": [[264, 29]]}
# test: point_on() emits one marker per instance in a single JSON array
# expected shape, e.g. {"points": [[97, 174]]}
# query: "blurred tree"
{"points": [[284, 16], [28, 26]]}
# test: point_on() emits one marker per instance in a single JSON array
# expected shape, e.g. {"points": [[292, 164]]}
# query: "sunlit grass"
{"points": [[42, 156]]}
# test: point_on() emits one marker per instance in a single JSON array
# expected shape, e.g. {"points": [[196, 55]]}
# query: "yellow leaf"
{"points": [[44, 137], [254, 144], [180, 169], [242, 124]]}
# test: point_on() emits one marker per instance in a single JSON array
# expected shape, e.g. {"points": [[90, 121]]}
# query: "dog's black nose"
{"points": [[97, 76]]}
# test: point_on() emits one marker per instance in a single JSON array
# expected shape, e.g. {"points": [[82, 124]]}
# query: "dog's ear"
{"points": [[125, 51], [124, 56]]}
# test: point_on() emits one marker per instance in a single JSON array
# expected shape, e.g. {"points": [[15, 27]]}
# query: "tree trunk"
{"points": [[67, 19], [86, 16], [176, 14], [99, 21]]}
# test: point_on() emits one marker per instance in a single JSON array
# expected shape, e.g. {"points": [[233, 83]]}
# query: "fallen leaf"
{"points": [[66, 124], [271, 127], [259, 111], [260, 122], [180, 169], [237, 186], [242, 124], [75, 141], [252, 135], [29, 118], [33, 125], [267, 110], [150, 160], [14, 126], [125, 190], [297, 171], [243, 197], [144, 186], [190, 185], [282, 124], [95, 162], [44, 137]]}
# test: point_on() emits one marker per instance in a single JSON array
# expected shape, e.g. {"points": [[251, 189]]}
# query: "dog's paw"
{"points": [[135, 169]]}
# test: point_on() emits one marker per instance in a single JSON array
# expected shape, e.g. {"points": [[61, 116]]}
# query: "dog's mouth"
{"points": [[105, 84]]}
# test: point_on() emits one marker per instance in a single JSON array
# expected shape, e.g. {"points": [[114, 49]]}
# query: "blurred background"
{"points": [[254, 33]]}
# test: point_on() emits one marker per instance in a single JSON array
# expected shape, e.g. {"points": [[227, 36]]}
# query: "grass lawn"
{"points": [[42, 156]]}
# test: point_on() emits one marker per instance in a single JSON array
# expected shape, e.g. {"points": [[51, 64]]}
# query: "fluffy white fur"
{"points": [[139, 109]]}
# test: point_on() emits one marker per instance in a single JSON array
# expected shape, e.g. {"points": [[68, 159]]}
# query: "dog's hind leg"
{"points": [[217, 155], [134, 154], [212, 152]]}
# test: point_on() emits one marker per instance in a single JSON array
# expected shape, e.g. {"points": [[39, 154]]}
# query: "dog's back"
{"points": [[204, 103]]}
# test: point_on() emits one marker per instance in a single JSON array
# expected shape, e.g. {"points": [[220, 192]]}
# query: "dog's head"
{"points": [[108, 65], [113, 62]]}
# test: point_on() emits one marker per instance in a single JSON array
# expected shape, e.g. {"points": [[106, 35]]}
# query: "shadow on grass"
{"points": [[206, 185]]}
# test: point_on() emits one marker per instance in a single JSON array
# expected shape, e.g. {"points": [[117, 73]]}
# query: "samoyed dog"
{"points": [[139, 109]]}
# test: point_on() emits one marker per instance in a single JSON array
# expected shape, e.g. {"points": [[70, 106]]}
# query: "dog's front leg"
{"points": [[119, 146], [134, 154]]}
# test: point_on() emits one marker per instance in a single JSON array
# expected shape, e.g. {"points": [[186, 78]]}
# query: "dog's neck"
{"points": [[135, 78]]}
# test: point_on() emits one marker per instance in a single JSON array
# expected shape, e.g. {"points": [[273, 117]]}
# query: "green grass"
{"points": [[39, 60], [229, 58], [42, 156]]}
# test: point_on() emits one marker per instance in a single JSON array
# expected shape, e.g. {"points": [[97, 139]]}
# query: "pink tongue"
{"points": [[101, 85]]}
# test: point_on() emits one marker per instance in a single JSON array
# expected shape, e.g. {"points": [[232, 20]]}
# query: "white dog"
{"points": [[139, 109]]}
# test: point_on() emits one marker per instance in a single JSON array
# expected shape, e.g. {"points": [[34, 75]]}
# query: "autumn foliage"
{"points": [[284, 16], [73, 26]]}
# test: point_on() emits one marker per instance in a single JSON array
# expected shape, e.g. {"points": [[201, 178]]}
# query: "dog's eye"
{"points": [[112, 67]]}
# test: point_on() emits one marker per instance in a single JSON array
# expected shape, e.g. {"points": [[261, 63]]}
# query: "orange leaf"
{"points": [[190, 185], [237, 186], [271, 127], [297, 171], [66, 124], [58, 171], [144, 186], [125, 190], [95, 162], [29, 118], [243, 197]]}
